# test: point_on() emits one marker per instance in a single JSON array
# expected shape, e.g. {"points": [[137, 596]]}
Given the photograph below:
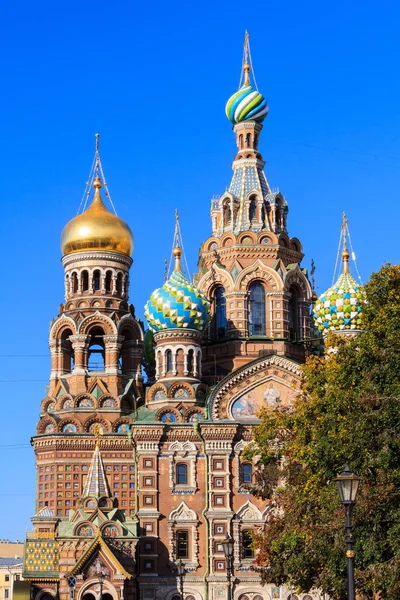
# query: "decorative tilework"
{"points": [[177, 304], [41, 556], [340, 307]]}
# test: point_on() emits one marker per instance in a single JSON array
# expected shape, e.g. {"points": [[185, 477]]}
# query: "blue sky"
{"points": [[153, 80]]}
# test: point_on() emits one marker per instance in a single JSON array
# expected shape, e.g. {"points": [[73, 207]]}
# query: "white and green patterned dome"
{"points": [[177, 304], [340, 307]]}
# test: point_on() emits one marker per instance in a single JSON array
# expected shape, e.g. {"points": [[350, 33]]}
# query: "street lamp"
{"points": [[348, 483], [228, 546], [101, 576], [180, 569]]}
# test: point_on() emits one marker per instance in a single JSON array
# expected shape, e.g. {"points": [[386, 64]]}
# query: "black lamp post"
{"points": [[228, 546], [101, 576], [180, 569], [348, 483]]}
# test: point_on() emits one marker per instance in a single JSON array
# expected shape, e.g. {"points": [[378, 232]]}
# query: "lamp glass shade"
{"points": [[180, 567], [347, 483], [228, 545]]}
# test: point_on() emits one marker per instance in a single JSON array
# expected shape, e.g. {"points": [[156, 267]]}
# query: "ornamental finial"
{"points": [[345, 252], [177, 252], [246, 65]]}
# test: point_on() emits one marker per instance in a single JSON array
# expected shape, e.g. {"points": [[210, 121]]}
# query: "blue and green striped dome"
{"points": [[246, 105], [177, 304], [340, 308]]}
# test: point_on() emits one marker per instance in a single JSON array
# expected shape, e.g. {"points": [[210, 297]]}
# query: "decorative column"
{"points": [[80, 344], [112, 345]]}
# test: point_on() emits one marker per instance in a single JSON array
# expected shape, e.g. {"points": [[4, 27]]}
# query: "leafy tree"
{"points": [[349, 410]]}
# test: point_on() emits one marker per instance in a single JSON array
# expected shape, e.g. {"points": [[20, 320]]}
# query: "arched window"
{"points": [[168, 358], [257, 309], [74, 283], [85, 281], [96, 280], [96, 350], [190, 362], [108, 281], [181, 474], [119, 284], [248, 141], [182, 544], [227, 213], [246, 473], [293, 309], [252, 209], [220, 312], [241, 141], [67, 351], [247, 545]]}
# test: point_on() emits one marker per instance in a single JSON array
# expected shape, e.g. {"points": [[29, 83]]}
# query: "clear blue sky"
{"points": [[153, 79]]}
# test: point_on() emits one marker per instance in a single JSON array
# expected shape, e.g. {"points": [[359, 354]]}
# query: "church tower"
{"points": [[249, 267], [95, 384]]}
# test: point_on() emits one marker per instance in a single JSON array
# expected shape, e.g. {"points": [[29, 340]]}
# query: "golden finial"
{"points": [[97, 183], [177, 252], [97, 135], [246, 65], [345, 252], [98, 432]]}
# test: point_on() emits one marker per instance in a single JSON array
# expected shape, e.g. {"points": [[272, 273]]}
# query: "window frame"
{"points": [[185, 554]]}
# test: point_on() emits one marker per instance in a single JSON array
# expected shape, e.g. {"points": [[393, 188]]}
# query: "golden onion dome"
{"points": [[97, 229]]}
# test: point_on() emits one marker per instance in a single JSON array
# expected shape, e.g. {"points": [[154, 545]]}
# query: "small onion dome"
{"points": [[97, 229], [340, 308], [246, 105], [177, 304]]}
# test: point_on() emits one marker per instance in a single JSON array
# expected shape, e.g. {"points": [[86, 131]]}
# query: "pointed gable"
{"points": [[96, 483]]}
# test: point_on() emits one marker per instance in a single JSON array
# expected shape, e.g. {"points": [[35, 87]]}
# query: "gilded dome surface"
{"points": [[340, 307], [246, 105], [97, 229], [177, 304]]}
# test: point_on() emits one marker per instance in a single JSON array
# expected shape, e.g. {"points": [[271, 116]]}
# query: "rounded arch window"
{"points": [[96, 280], [108, 281], [181, 474], [252, 209], [96, 350], [74, 281], [85, 281], [220, 312], [190, 356], [119, 284], [168, 360], [67, 351], [257, 316], [293, 314], [227, 212]]}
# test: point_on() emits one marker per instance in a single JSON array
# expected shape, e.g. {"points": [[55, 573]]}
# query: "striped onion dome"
{"points": [[246, 105]]}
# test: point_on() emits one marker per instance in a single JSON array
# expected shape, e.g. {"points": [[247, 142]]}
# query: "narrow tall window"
{"points": [[181, 474], [85, 281], [220, 312], [119, 284], [108, 281], [96, 353], [168, 357], [246, 473], [252, 209], [257, 309], [96, 280], [182, 544], [227, 213], [247, 545], [74, 283], [190, 362], [293, 316]]}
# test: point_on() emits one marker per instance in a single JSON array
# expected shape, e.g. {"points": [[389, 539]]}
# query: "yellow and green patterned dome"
{"points": [[340, 307], [177, 304]]}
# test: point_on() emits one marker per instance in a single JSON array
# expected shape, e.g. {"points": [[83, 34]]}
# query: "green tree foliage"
{"points": [[349, 411]]}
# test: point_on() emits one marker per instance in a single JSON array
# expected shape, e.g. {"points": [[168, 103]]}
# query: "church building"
{"points": [[140, 480]]}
